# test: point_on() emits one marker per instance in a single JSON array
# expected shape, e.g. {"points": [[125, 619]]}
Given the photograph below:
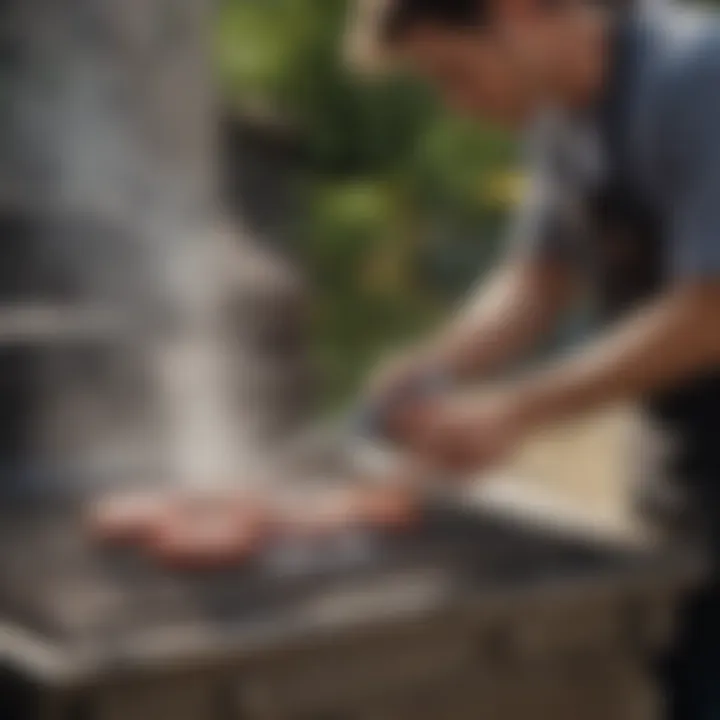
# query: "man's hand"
{"points": [[462, 432], [404, 371]]}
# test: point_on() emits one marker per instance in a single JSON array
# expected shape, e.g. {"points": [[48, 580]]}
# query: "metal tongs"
{"points": [[358, 445], [375, 448]]}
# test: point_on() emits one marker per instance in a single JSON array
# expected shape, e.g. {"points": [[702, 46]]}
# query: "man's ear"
{"points": [[363, 49]]}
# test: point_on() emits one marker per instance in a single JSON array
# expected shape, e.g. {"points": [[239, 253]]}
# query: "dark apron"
{"points": [[631, 269], [629, 272]]}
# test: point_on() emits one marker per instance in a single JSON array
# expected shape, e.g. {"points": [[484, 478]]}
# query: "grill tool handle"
{"points": [[369, 418], [368, 426], [361, 431]]}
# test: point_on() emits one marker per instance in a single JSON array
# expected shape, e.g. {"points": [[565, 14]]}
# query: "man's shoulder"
{"points": [[676, 74], [681, 105], [685, 51]]}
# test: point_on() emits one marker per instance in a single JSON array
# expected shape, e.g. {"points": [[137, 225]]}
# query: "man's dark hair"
{"points": [[403, 15]]}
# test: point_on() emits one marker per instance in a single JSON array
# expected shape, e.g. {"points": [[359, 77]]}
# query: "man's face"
{"points": [[478, 73]]}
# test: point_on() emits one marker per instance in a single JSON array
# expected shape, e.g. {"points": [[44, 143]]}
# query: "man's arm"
{"points": [[525, 297], [501, 321], [673, 339], [521, 301], [506, 318], [679, 335]]}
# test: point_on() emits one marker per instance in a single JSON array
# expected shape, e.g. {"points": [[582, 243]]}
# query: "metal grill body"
{"points": [[471, 616]]}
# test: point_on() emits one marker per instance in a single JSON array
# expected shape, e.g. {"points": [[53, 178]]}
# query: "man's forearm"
{"points": [[658, 347], [505, 319]]}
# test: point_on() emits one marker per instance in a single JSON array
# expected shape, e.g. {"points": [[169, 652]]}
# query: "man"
{"points": [[625, 194]]}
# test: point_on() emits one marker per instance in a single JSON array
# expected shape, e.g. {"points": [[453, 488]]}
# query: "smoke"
{"points": [[128, 219]]}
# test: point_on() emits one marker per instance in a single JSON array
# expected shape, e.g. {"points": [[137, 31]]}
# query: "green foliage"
{"points": [[398, 217]]}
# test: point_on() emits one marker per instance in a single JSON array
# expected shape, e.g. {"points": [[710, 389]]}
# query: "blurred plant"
{"points": [[402, 204]]}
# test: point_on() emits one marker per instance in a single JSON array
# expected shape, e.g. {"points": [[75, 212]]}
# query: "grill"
{"points": [[471, 615]]}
